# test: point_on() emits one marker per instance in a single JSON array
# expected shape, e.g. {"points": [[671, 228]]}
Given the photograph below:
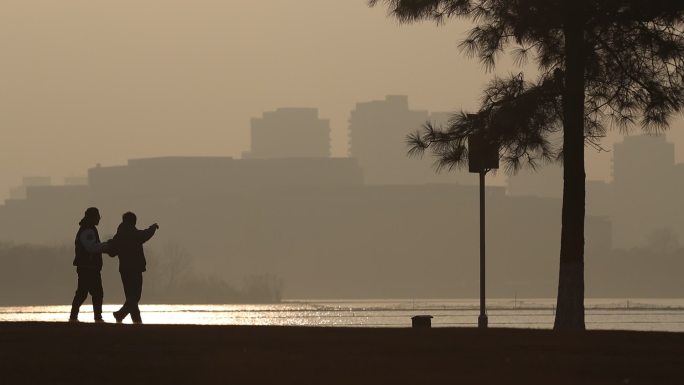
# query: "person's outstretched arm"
{"points": [[145, 235], [90, 243]]}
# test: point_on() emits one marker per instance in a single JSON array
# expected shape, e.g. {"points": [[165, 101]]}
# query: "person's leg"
{"points": [[97, 294], [128, 292], [120, 314], [136, 287], [80, 295]]}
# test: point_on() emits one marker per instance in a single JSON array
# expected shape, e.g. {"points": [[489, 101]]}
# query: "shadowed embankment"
{"points": [[62, 353]]}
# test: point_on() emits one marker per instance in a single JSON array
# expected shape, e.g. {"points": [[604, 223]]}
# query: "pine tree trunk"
{"points": [[570, 301]]}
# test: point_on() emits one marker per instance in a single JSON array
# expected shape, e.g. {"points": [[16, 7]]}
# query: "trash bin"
{"points": [[421, 322]]}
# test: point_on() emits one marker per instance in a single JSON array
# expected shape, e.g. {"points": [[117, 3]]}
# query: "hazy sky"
{"points": [[94, 81]]}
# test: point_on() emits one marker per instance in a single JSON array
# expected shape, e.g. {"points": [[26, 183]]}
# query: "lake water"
{"points": [[619, 314]]}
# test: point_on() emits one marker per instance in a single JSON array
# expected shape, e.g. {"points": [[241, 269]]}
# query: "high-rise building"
{"points": [[646, 189], [378, 131], [638, 159], [289, 133]]}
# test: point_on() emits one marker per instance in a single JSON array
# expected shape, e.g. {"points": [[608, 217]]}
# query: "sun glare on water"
{"points": [[664, 315]]}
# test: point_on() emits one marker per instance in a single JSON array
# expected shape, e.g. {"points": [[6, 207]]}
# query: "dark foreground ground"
{"points": [[61, 353]]}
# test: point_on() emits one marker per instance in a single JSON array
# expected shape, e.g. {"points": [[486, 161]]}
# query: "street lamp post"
{"points": [[483, 156], [482, 320]]}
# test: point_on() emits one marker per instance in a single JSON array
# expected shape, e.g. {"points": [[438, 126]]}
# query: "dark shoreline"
{"points": [[62, 353]]}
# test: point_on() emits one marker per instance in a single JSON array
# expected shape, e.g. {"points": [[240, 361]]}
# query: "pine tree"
{"points": [[602, 63]]}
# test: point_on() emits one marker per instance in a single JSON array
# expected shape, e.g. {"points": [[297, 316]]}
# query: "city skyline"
{"points": [[424, 167], [321, 212], [183, 80], [612, 200]]}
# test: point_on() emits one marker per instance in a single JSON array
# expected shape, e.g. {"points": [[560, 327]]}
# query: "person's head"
{"points": [[129, 218], [91, 217]]}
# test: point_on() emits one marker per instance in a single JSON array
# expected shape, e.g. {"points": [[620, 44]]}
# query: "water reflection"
{"points": [[664, 315]]}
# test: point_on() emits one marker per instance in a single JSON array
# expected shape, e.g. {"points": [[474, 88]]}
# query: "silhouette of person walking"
{"points": [[128, 244], [88, 262]]}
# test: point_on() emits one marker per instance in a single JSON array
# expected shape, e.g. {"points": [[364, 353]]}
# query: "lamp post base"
{"points": [[482, 321]]}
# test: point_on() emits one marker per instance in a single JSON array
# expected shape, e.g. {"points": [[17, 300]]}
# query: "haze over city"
{"points": [[82, 78]]}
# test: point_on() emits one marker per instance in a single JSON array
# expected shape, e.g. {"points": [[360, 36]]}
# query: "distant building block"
{"points": [[289, 133]]}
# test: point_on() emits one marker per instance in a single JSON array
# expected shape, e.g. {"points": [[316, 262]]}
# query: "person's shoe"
{"points": [[118, 317], [138, 321], [73, 320], [100, 321]]}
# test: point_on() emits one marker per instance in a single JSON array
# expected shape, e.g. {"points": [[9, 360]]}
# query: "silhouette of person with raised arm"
{"points": [[88, 262], [128, 245]]}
